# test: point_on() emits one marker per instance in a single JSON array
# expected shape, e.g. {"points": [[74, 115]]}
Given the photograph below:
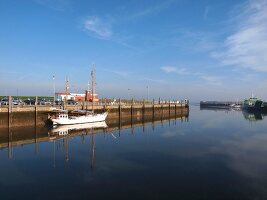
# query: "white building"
{"points": [[60, 96]]}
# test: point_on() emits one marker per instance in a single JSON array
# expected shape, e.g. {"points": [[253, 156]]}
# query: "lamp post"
{"points": [[147, 87]]}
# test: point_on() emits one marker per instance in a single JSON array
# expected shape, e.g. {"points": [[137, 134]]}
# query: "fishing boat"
{"points": [[64, 118]]}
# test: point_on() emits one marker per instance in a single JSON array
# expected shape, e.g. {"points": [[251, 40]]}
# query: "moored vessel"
{"points": [[253, 104], [78, 116], [64, 119]]}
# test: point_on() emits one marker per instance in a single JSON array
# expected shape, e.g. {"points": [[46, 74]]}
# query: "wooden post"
{"points": [[143, 111], [36, 139], [35, 109], [132, 107], [9, 104], [169, 108], [175, 110], [119, 107], [9, 111], [119, 113], [153, 110], [143, 117], [105, 104], [143, 106], [9, 129], [161, 110], [181, 107]]}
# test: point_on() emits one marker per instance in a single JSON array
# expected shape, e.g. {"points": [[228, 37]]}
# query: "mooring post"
{"points": [[143, 108], [161, 110], [9, 110], [175, 109], [9, 129], [182, 110], [35, 108], [143, 112], [119, 113], [120, 107], [132, 107], [153, 110], [9, 104], [169, 108], [105, 104]]}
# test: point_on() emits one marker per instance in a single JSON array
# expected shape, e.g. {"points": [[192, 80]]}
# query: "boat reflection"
{"points": [[65, 129], [254, 116]]}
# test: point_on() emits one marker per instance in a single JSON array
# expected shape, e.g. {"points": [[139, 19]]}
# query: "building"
{"points": [[60, 96], [89, 96]]}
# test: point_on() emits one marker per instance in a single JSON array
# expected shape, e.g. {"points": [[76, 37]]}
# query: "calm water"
{"points": [[215, 155]]}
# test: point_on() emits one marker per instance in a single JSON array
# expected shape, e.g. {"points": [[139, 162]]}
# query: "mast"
{"points": [[66, 97], [92, 75]]}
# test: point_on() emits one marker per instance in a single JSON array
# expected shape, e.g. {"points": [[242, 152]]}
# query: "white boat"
{"points": [[65, 119]]}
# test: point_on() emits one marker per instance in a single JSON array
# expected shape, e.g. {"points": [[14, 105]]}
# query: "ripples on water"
{"points": [[216, 154]]}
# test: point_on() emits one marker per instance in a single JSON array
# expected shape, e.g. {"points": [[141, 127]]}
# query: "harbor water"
{"points": [[212, 154]]}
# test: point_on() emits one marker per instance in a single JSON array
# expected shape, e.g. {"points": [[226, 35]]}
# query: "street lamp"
{"points": [[147, 87]]}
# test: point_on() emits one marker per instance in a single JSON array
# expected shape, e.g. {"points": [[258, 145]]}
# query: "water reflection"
{"points": [[65, 132], [215, 154], [254, 116], [62, 134], [64, 129], [250, 116]]}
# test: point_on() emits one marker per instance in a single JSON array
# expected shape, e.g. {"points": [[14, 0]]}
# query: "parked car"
{"points": [[29, 102], [4, 101], [59, 102], [17, 102], [72, 102], [44, 102]]}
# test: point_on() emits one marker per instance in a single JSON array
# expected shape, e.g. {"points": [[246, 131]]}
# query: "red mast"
{"points": [[92, 75]]}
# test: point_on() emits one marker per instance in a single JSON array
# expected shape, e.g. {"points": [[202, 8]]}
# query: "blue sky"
{"points": [[173, 49]]}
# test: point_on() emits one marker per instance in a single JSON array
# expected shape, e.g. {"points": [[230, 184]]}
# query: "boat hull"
{"points": [[80, 119]]}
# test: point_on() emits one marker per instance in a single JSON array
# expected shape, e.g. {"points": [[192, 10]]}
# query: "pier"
{"points": [[31, 115], [15, 136]]}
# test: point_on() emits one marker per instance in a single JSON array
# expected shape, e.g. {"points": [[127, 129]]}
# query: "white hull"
{"points": [[80, 119]]}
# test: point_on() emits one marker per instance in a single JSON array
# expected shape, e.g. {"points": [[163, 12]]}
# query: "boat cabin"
{"points": [[57, 113]]}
